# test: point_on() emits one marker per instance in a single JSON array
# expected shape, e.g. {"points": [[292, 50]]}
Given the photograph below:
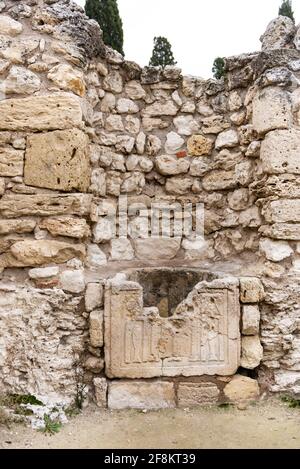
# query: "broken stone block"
{"points": [[37, 113], [288, 231], [275, 251], [251, 320], [252, 352], [96, 328], [20, 81], [93, 296], [272, 109], [58, 160], [68, 78], [10, 27], [72, 281], [11, 162], [66, 226], [141, 395], [140, 343], [251, 290], [198, 145], [279, 152], [100, 386], [197, 394], [241, 388]]}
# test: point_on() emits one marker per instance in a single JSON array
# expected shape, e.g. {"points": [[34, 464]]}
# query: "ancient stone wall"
{"points": [[89, 142]]}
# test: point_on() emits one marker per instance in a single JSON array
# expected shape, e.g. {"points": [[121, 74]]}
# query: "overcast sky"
{"points": [[199, 30]]}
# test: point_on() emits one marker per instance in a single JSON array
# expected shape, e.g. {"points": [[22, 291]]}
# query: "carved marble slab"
{"points": [[201, 338]]}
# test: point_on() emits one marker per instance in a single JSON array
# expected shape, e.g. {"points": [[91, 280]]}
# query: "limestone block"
{"points": [[11, 162], [158, 109], [132, 124], [66, 226], [10, 27], [272, 109], [169, 165], [134, 90], [96, 328], [282, 211], [241, 388], [251, 320], [14, 205], [100, 385], [121, 250], [37, 113], [114, 123], [108, 103], [140, 143], [113, 82], [200, 166], [93, 296], [280, 152], [252, 352], [104, 230], [72, 281], [174, 143], [139, 343], [127, 106], [125, 143], [214, 124], [251, 290], [186, 125], [179, 185], [2, 186], [43, 272], [19, 226], [153, 145], [198, 145], [133, 183], [20, 81], [58, 160], [98, 182], [141, 395], [234, 101], [275, 251], [197, 394], [227, 139], [279, 33], [219, 180], [288, 231], [156, 248], [95, 257], [30, 253]]}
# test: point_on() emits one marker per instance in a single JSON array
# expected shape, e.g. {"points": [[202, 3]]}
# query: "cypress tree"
{"points": [[286, 9], [106, 13], [162, 53], [218, 68]]}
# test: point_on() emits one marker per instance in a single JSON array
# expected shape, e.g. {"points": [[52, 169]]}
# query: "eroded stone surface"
{"points": [[197, 394], [58, 160], [241, 388], [141, 395]]}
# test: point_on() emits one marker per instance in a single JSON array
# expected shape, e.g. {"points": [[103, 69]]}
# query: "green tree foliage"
{"points": [[106, 13], [162, 53], [218, 68], [286, 9]]}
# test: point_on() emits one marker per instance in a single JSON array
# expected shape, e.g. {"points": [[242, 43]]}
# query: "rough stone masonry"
{"points": [[145, 322]]}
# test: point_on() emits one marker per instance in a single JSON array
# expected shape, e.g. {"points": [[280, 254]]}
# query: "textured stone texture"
{"points": [[279, 152], [58, 160], [252, 352], [66, 226], [251, 320], [96, 328], [11, 162], [57, 111], [100, 385], [197, 394], [251, 290], [141, 395], [272, 109], [199, 145]]}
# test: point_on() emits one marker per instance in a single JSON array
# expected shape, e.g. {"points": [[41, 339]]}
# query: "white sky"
{"points": [[199, 30]]}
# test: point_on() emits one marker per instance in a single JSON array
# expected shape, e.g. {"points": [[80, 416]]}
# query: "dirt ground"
{"points": [[269, 424]]}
